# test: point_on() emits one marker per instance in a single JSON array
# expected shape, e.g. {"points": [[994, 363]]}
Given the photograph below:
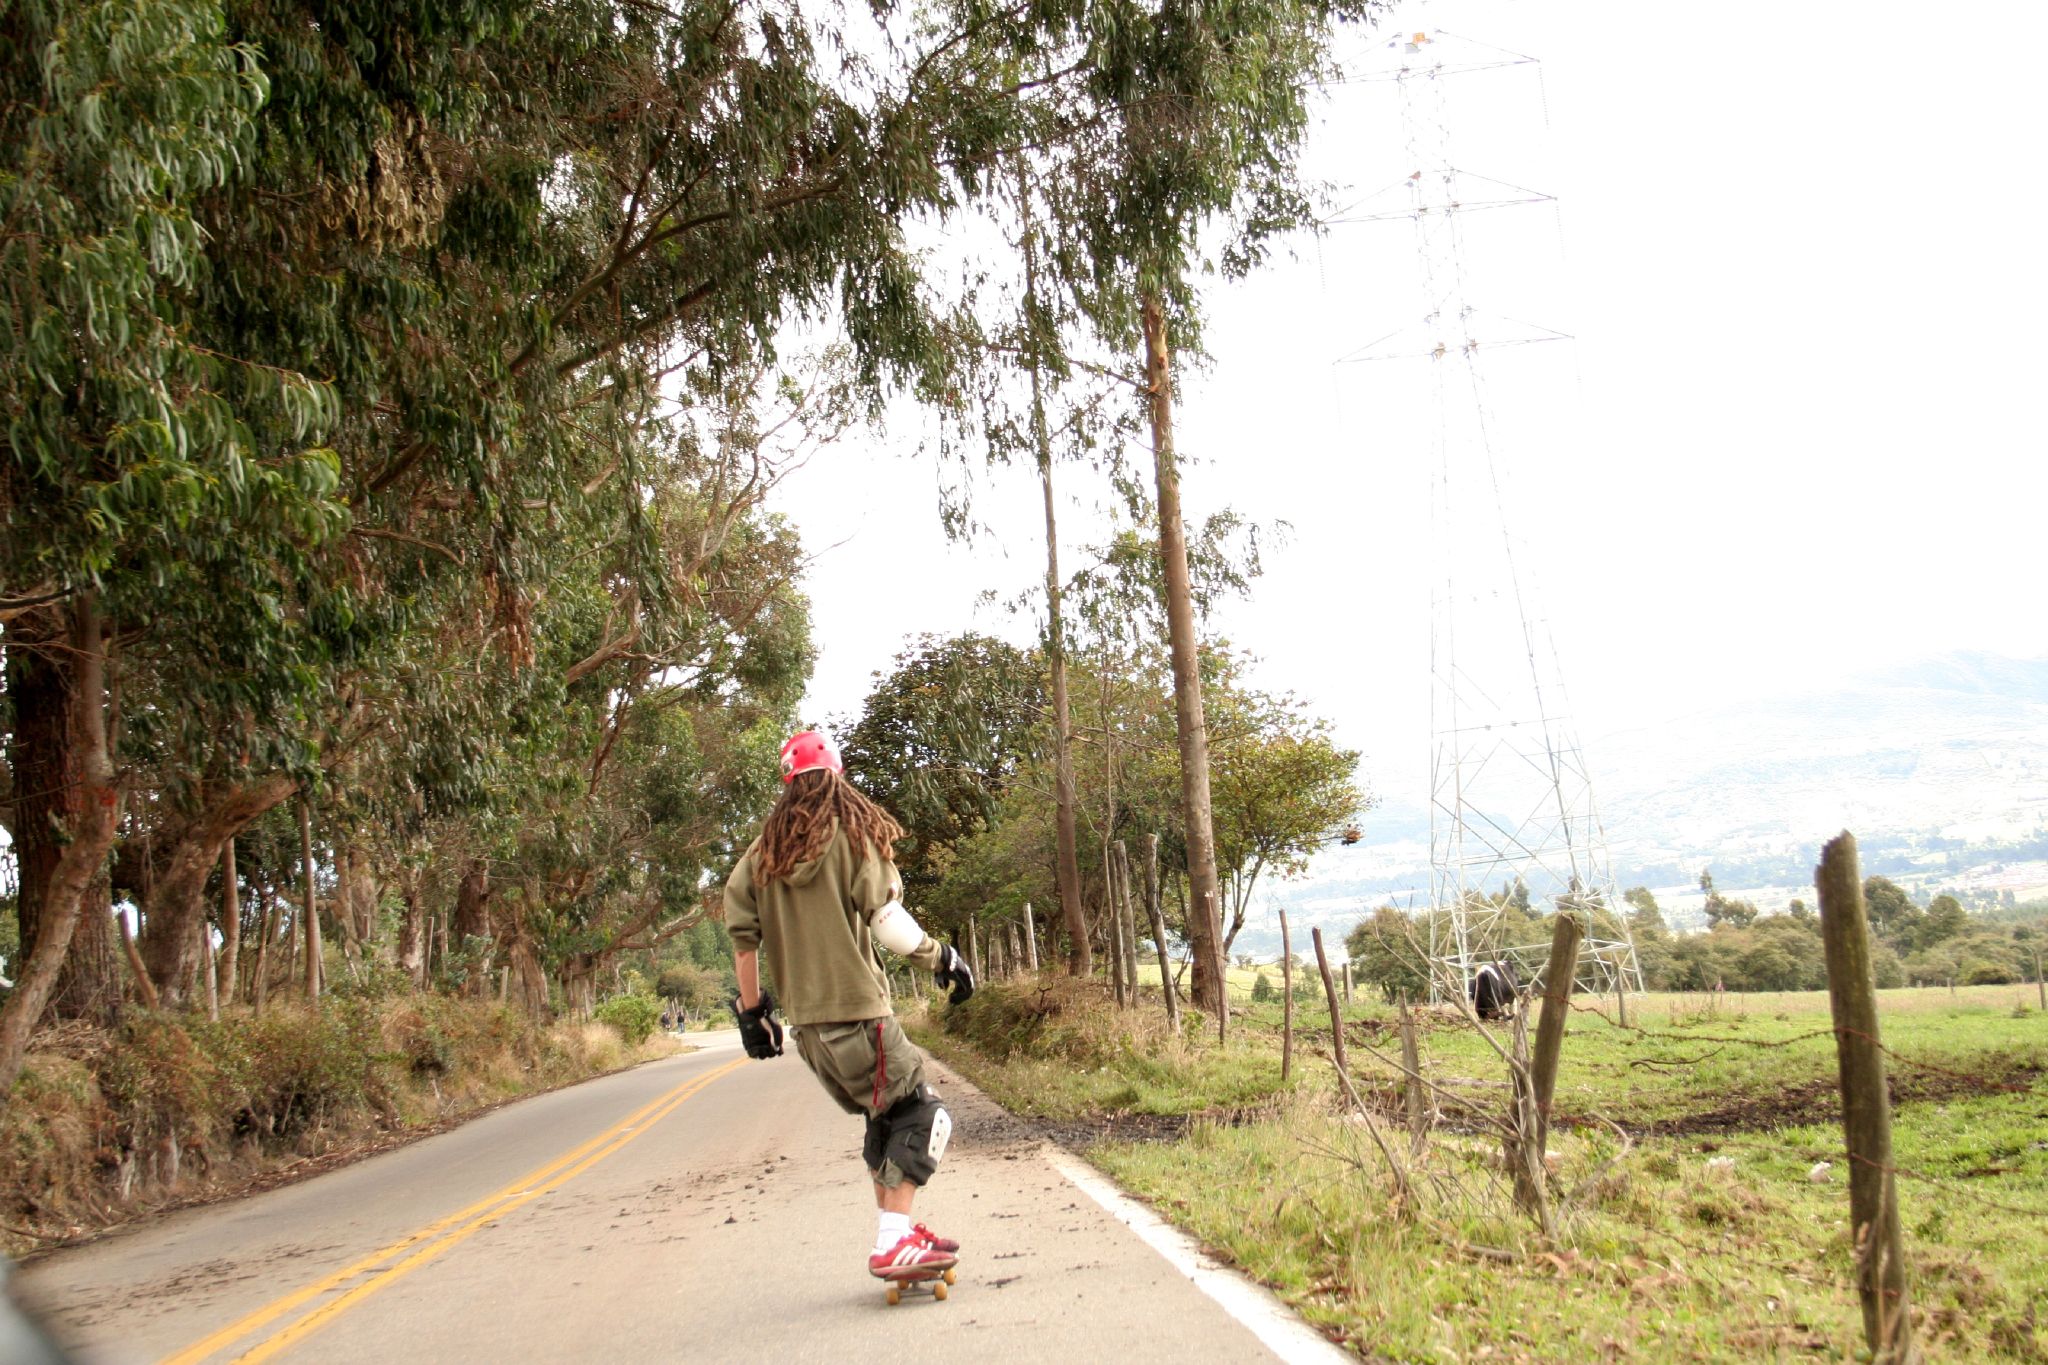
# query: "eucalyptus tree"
{"points": [[287, 385], [941, 739], [1178, 119], [1214, 104]]}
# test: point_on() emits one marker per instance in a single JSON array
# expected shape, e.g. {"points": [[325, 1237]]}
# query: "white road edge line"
{"points": [[1249, 1302]]}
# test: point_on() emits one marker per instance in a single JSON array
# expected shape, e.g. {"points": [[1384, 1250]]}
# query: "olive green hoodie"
{"points": [[812, 926]]}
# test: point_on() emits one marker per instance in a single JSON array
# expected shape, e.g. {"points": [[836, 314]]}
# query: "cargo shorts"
{"points": [[865, 1066]]}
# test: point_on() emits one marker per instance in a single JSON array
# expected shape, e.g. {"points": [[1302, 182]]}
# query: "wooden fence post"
{"points": [[1287, 998], [1866, 1107], [1411, 1062], [1347, 980], [1330, 989], [1557, 1004], [1621, 993], [1401, 1185]]}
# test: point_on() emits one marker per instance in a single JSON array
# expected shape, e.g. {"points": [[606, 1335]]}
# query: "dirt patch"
{"points": [[1819, 1101], [982, 1124]]}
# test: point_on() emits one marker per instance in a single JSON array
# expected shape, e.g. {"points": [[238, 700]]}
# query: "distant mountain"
{"points": [[1940, 767]]}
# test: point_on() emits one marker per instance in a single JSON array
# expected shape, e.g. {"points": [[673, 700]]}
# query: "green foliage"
{"points": [[940, 739], [632, 1017], [696, 990], [1387, 952]]}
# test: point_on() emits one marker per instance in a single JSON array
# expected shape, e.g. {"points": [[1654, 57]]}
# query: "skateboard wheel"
{"points": [[939, 1290], [895, 1295], [952, 1277]]}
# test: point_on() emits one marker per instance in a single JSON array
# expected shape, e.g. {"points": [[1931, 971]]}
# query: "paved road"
{"points": [[704, 1207]]}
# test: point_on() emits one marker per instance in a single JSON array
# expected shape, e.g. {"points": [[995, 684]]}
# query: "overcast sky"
{"points": [[1798, 430]]}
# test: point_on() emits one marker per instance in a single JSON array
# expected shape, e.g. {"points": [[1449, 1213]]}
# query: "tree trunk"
{"points": [[1205, 929], [412, 935], [175, 900], [91, 984], [1127, 921], [209, 972], [86, 838], [1031, 940], [472, 921], [310, 905], [230, 924], [1158, 917], [346, 893], [1116, 928], [259, 985], [49, 799], [139, 973], [1066, 866]]}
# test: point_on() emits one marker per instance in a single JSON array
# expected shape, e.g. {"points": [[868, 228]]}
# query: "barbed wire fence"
{"points": [[1475, 1109]]}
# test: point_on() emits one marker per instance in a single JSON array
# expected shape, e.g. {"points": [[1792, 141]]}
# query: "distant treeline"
{"points": [[1935, 942]]}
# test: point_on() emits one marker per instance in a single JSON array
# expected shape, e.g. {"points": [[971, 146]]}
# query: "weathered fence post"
{"points": [[1621, 993], [1527, 1133], [1401, 1185], [1411, 1062], [1330, 989], [1866, 1108], [1557, 1004], [1287, 999], [1347, 980]]}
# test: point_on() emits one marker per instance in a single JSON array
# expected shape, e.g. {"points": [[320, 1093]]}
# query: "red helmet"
{"points": [[807, 751]]}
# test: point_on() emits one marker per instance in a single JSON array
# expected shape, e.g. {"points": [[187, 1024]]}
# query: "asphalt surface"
{"points": [[705, 1207]]}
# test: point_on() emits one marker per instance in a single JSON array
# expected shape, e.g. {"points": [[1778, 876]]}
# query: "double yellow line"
{"points": [[393, 1262]]}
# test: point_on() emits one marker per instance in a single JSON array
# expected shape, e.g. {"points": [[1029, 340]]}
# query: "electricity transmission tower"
{"points": [[1513, 823]]}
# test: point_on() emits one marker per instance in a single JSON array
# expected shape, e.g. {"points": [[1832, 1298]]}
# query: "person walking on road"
{"points": [[818, 893]]}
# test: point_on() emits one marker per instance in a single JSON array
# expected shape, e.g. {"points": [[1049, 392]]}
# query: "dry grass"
{"points": [[106, 1124], [1661, 1255]]}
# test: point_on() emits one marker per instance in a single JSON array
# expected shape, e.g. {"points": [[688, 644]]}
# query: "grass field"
{"points": [[1663, 1255]]}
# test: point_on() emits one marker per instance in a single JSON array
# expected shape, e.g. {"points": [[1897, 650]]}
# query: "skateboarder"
{"points": [[817, 892]]}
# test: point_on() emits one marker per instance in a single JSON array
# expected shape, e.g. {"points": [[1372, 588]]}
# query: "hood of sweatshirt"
{"points": [[806, 872]]}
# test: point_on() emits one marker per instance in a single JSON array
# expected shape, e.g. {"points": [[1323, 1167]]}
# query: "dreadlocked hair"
{"points": [[801, 824]]}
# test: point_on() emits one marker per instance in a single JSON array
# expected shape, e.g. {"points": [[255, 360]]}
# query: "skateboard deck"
{"points": [[933, 1280]]}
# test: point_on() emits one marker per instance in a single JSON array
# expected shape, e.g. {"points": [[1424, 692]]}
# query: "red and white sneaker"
{"points": [[933, 1240], [910, 1258]]}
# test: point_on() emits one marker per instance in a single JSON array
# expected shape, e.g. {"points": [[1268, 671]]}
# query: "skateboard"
{"points": [[934, 1280]]}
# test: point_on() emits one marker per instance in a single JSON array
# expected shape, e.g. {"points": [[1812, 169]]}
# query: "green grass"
{"points": [[1661, 1256]]}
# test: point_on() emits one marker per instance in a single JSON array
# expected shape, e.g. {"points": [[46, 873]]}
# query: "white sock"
{"points": [[894, 1228]]}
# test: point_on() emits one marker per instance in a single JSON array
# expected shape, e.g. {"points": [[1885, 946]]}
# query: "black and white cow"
{"points": [[1493, 990]]}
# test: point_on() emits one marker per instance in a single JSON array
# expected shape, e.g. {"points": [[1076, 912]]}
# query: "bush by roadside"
{"points": [[108, 1123]]}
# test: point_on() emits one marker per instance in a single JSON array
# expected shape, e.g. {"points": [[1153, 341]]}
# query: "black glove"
{"points": [[954, 973], [760, 1031]]}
